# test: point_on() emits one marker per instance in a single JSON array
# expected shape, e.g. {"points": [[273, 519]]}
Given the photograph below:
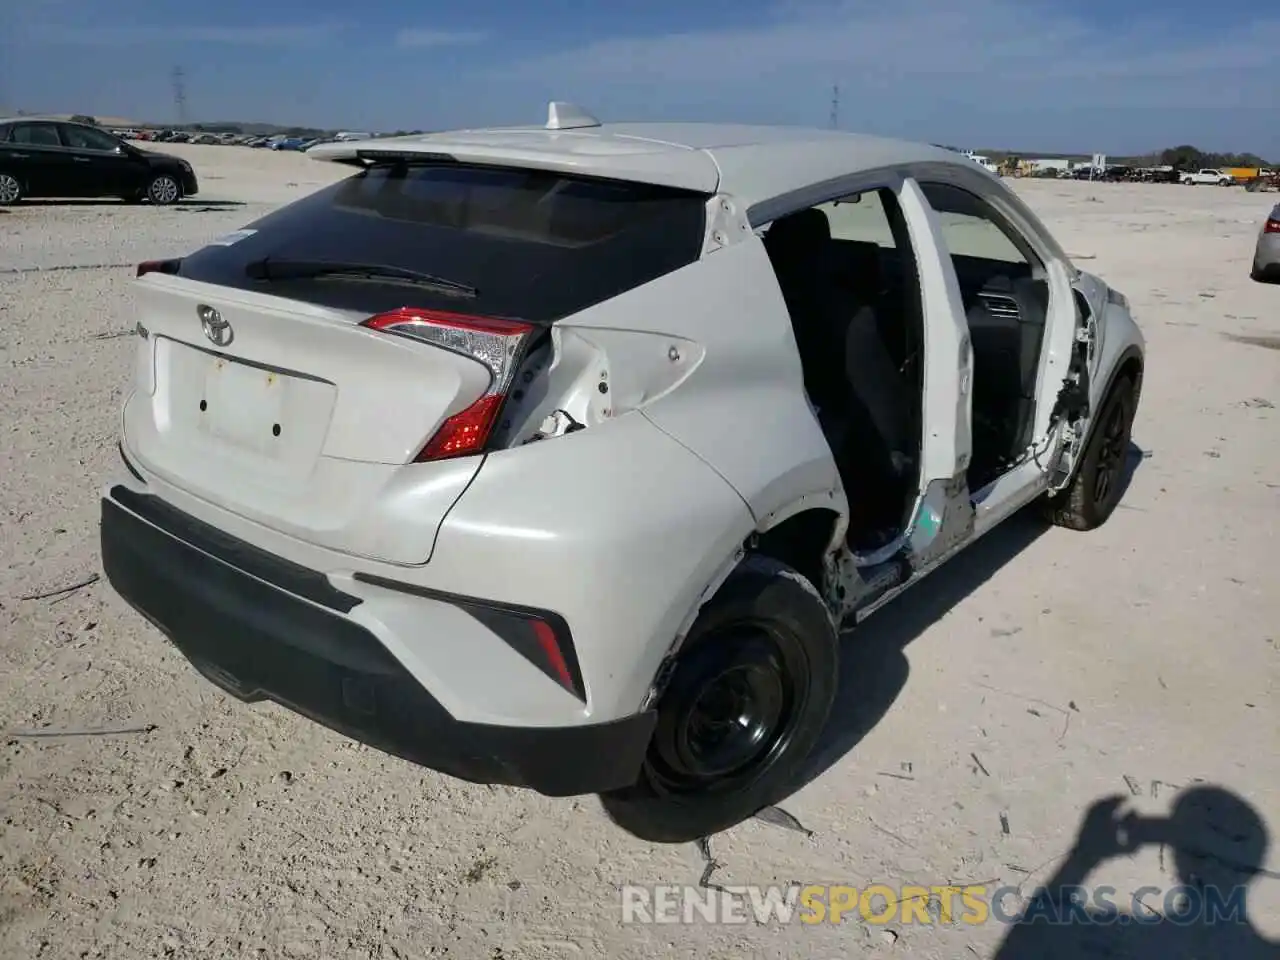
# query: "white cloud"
{"points": [[421, 38], [301, 35]]}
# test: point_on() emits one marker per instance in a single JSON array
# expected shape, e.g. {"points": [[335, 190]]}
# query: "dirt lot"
{"points": [[980, 716]]}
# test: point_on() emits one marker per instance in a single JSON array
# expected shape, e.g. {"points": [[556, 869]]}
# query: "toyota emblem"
{"points": [[215, 328]]}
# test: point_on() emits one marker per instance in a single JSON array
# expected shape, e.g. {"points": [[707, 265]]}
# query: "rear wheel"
{"points": [[1096, 488], [10, 189], [745, 705], [164, 190]]}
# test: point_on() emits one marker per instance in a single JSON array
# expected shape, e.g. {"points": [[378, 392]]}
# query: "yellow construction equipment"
{"points": [[1014, 167]]}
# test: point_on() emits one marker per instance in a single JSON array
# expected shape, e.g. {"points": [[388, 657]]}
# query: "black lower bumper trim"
{"points": [[258, 641]]}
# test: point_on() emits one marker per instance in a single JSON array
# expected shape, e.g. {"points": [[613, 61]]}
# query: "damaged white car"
{"points": [[558, 456]]}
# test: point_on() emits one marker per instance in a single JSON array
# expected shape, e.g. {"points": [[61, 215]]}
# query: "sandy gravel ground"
{"points": [[980, 716]]}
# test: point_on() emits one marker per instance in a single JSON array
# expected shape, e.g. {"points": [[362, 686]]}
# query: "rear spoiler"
{"points": [[534, 148], [376, 155]]}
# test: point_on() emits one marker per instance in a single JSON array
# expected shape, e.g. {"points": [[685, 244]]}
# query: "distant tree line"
{"points": [[1187, 157]]}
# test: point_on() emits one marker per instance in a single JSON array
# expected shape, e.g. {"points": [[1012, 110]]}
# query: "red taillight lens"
{"points": [[1272, 226], [494, 342], [464, 432]]}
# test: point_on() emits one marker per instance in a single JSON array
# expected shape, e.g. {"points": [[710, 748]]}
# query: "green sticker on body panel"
{"points": [[928, 522]]}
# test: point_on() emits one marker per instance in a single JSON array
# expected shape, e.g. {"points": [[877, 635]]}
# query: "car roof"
{"points": [[753, 163], [5, 121]]}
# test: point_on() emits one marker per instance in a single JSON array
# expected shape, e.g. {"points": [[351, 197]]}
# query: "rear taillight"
{"points": [[1271, 226], [158, 266], [498, 344]]}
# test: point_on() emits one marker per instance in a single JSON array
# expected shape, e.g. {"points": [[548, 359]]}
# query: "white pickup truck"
{"points": [[1206, 177]]}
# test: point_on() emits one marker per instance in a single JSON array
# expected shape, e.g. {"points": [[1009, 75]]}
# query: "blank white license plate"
{"points": [[243, 405]]}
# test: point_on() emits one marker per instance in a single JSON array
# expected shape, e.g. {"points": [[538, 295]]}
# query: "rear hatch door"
{"points": [[302, 419]]}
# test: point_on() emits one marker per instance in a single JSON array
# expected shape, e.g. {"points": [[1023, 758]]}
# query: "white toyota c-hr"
{"points": [[558, 456]]}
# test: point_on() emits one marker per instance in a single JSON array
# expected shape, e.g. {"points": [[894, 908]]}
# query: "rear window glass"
{"points": [[534, 245]]}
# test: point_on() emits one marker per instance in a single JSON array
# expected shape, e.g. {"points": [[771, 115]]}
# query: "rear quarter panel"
{"points": [[744, 410], [618, 528]]}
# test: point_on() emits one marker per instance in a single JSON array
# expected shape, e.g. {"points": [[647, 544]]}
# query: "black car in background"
{"points": [[57, 158]]}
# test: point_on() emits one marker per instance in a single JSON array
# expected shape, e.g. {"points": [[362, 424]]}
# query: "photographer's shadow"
{"points": [[1218, 842]]}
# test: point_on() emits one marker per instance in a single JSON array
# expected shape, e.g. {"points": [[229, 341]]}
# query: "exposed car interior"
{"points": [[856, 312], [858, 321], [1006, 302]]}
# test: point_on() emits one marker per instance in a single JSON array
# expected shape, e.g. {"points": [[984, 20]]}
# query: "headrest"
{"points": [[800, 231]]}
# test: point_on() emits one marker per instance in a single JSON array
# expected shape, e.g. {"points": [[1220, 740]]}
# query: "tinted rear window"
{"points": [[535, 245]]}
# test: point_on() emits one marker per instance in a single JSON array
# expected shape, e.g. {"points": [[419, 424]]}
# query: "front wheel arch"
{"points": [[1079, 505], [1129, 365]]}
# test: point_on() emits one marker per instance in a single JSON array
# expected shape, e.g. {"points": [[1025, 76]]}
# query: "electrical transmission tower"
{"points": [[835, 106], [180, 94]]}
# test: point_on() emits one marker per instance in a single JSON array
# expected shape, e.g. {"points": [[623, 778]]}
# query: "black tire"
{"points": [[11, 189], [1096, 488], [164, 190], [764, 641]]}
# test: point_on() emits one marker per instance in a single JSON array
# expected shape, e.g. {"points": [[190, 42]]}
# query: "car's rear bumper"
{"points": [[261, 627]]}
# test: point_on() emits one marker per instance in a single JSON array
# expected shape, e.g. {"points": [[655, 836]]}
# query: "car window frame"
{"points": [[966, 176], [58, 145], [64, 127], [830, 206], [761, 215], [1016, 237], [1004, 201]]}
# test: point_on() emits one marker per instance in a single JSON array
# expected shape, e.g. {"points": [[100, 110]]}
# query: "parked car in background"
{"points": [[58, 158], [1266, 255], [288, 143], [474, 489], [1207, 177]]}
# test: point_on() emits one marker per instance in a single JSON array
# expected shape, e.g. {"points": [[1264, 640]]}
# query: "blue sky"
{"points": [[1086, 75]]}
